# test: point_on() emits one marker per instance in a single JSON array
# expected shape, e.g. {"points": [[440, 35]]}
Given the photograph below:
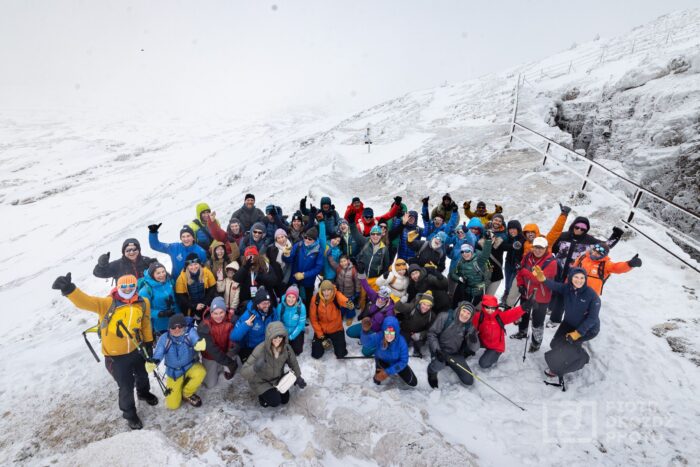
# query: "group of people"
{"points": [[244, 293]]}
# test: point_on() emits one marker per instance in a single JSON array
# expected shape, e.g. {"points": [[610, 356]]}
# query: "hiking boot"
{"points": [[534, 347], [417, 352], [551, 324], [432, 379], [519, 335], [149, 398], [134, 422], [194, 400], [549, 373]]}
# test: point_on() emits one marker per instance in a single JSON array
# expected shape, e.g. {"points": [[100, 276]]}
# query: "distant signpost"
{"points": [[368, 141]]}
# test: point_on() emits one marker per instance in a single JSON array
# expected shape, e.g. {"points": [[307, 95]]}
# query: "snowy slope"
{"points": [[74, 187]]}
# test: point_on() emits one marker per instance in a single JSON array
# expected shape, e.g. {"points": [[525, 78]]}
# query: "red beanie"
{"points": [[251, 251]]}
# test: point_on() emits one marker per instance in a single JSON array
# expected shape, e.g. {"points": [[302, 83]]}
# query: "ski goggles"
{"points": [[491, 308], [192, 261], [127, 286], [389, 332], [599, 249]]}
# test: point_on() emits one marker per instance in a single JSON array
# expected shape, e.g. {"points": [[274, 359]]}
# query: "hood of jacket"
{"points": [[580, 219], [275, 328], [201, 207], [532, 228], [474, 222]]}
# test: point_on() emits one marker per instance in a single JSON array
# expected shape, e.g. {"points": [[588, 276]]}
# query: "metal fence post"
{"points": [[585, 179], [635, 202], [515, 109], [546, 152]]}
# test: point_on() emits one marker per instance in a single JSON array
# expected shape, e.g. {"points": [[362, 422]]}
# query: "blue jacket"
{"points": [[429, 229], [581, 306], [251, 336], [161, 296], [455, 245], [328, 250], [293, 318], [177, 252], [349, 245], [178, 352], [395, 354], [474, 222], [308, 260], [401, 231]]}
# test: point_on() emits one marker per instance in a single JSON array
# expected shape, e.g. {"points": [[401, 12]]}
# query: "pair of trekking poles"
{"points": [[120, 325]]}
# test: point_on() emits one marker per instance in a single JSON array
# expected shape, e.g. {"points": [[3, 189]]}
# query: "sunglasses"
{"points": [[177, 326], [489, 307], [367, 217], [278, 336], [580, 228], [460, 232], [375, 235], [127, 286], [131, 250], [257, 232], [192, 261], [307, 238]]}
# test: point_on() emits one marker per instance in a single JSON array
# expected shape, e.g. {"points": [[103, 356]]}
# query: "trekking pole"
{"points": [[451, 360], [91, 329], [529, 325], [139, 347], [349, 357]]}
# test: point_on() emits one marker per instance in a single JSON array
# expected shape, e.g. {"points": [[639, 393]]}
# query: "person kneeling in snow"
{"points": [[490, 323], [264, 369], [184, 373], [215, 329], [451, 338], [391, 351]]}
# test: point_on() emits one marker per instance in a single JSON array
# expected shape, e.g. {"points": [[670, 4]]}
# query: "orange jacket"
{"points": [[326, 317], [551, 237], [598, 271]]}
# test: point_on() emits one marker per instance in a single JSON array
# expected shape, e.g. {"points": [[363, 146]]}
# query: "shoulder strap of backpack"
{"points": [[601, 275], [449, 320], [500, 322]]}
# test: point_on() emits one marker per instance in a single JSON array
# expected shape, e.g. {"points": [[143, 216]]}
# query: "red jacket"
{"points": [[364, 227], [491, 335], [220, 332], [351, 208], [541, 292]]}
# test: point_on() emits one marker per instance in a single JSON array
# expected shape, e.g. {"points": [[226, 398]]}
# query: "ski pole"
{"points": [[166, 390], [349, 357], [91, 329], [529, 324], [451, 360]]}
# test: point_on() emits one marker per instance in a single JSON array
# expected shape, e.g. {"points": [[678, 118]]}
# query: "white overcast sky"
{"points": [[252, 57]]}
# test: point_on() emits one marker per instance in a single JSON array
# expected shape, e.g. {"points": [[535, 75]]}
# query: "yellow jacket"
{"points": [[136, 316]]}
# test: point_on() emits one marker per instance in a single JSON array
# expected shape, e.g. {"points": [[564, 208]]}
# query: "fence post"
{"points": [[635, 202], [585, 180], [602, 54], [571, 63], [634, 42], [668, 36], [546, 152], [515, 109]]}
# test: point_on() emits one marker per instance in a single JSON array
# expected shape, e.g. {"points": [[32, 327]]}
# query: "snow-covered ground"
{"points": [[73, 187]]}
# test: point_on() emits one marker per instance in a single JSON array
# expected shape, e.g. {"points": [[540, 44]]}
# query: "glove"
{"points": [[350, 305], [366, 324], [572, 337], [380, 375], [299, 276], [430, 265], [539, 275], [327, 344], [64, 284], [440, 355], [351, 217], [564, 209], [153, 228], [361, 267], [103, 260], [523, 291], [397, 200], [165, 313], [617, 233], [635, 262], [425, 200], [517, 245], [412, 235], [259, 364], [488, 234], [200, 345], [467, 205], [499, 209], [361, 276], [150, 367], [300, 382]]}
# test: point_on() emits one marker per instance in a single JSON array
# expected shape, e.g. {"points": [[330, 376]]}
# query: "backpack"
{"points": [[600, 272], [117, 312], [450, 319], [566, 359], [498, 320]]}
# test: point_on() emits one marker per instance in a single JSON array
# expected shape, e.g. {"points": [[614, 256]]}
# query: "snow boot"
{"points": [[417, 350], [534, 347], [194, 400], [134, 422], [432, 379], [549, 373], [149, 398], [551, 324], [519, 335]]}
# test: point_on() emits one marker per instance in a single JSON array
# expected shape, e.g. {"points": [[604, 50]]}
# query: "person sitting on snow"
{"points": [[490, 323], [390, 351]]}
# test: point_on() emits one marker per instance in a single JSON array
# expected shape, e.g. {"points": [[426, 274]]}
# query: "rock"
{"points": [[571, 94]]}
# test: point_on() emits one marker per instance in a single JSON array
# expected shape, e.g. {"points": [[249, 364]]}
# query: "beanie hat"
{"points": [[356, 199], [489, 300], [412, 268], [500, 216], [293, 290], [126, 279], [252, 250], [442, 236], [192, 258], [312, 233], [279, 232], [152, 268], [325, 200], [375, 230], [540, 241], [413, 214], [249, 195], [218, 304], [261, 296], [367, 212], [426, 297], [400, 265], [270, 208], [177, 319], [130, 241], [384, 291], [186, 229], [467, 305], [481, 204], [466, 248], [297, 216], [342, 221], [333, 235]]}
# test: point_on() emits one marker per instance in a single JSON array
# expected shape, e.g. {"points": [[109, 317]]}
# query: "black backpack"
{"points": [[566, 359]]}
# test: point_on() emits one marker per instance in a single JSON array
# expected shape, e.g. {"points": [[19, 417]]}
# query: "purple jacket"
{"points": [[375, 313]]}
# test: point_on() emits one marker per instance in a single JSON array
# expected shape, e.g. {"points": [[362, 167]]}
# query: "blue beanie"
{"points": [[218, 304], [442, 236]]}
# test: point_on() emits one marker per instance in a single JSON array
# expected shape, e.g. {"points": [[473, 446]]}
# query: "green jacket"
{"points": [[472, 271]]}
